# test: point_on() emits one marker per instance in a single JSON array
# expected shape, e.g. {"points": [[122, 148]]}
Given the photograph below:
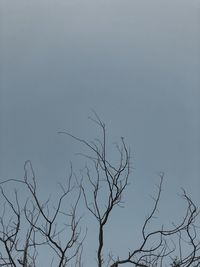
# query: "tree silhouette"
{"points": [[29, 225]]}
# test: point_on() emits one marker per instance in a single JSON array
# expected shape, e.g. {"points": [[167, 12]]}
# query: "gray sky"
{"points": [[137, 63]]}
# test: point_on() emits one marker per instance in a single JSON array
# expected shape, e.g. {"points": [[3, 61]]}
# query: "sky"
{"points": [[136, 63]]}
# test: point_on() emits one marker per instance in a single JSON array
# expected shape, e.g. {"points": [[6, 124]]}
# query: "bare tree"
{"points": [[29, 226], [108, 183], [26, 228], [107, 178]]}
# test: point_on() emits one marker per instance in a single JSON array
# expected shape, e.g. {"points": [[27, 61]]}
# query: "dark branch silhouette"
{"points": [[29, 225]]}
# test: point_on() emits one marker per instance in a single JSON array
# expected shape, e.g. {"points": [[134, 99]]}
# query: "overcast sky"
{"points": [[136, 63]]}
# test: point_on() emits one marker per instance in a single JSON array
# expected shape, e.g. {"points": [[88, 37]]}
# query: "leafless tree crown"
{"points": [[31, 225]]}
